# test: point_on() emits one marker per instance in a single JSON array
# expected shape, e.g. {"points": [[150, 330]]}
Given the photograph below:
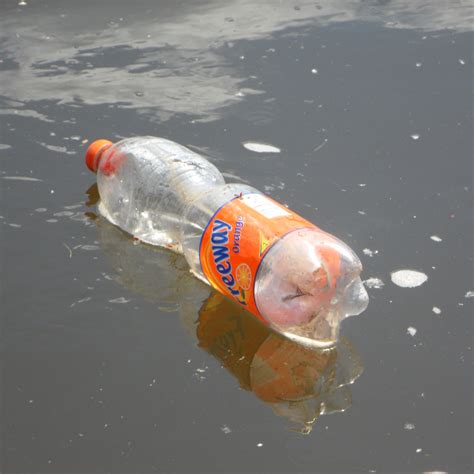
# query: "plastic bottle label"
{"points": [[236, 240]]}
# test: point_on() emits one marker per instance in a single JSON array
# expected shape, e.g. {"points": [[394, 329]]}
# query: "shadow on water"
{"points": [[298, 383]]}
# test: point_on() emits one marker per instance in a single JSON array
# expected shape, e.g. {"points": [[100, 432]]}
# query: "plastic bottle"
{"points": [[293, 276]]}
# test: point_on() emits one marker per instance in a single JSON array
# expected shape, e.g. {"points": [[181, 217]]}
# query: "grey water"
{"points": [[114, 359]]}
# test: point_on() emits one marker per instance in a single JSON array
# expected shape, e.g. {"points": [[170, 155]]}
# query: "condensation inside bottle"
{"points": [[165, 194]]}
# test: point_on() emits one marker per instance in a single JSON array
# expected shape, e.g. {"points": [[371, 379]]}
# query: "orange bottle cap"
{"points": [[95, 149]]}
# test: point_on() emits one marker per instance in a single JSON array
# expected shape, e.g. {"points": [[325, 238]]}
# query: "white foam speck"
{"points": [[411, 330], [261, 147], [415, 136], [436, 310], [408, 278], [370, 253], [469, 294], [419, 450], [15, 225], [4, 146], [461, 61], [120, 300], [314, 71], [362, 213], [409, 426], [226, 430], [418, 64], [259, 445], [436, 238], [373, 282]]}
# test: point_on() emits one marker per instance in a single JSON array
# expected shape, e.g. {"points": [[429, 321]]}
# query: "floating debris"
{"points": [[418, 64], [63, 214], [225, 429], [83, 300], [89, 247], [415, 136], [259, 445], [321, 145], [21, 178], [373, 282], [57, 149], [409, 426], [435, 238], [436, 310], [469, 294], [120, 300], [260, 147], [462, 62], [314, 71], [412, 331], [68, 248], [408, 278]]}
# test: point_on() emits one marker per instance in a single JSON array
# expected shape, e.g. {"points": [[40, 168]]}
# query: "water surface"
{"points": [[113, 358]]}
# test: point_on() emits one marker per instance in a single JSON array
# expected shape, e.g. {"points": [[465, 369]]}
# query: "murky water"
{"points": [[355, 114]]}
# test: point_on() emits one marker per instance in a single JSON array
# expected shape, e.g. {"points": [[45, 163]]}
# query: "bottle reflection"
{"points": [[298, 383]]}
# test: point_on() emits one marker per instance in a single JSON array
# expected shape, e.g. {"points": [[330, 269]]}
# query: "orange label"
{"points": [[236, 240]]}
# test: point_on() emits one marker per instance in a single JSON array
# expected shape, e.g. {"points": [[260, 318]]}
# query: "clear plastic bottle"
{"points": [[292, 275]]}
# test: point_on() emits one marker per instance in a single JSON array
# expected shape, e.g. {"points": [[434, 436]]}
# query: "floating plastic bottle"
{"points": [[293, 276]]}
